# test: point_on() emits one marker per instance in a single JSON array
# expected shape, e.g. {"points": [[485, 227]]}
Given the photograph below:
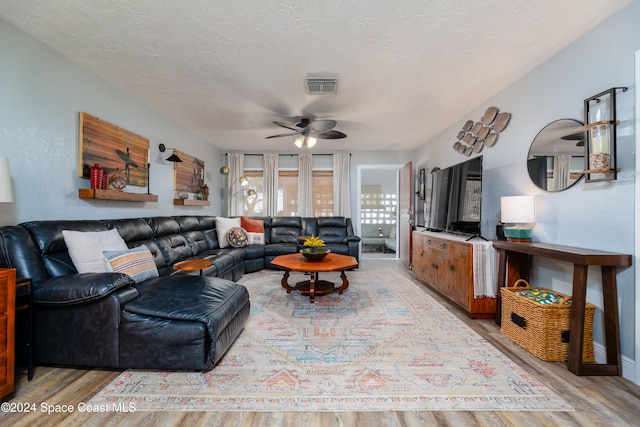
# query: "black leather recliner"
{"points": [[106, 319]]}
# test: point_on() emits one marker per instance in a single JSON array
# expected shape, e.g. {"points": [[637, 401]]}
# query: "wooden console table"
{"points": [[510, 258]]}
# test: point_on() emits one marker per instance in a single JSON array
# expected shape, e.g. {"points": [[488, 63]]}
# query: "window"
{"points": [[287, 193], [377, 207], [322, 193], [322, 186], [254, 206]]}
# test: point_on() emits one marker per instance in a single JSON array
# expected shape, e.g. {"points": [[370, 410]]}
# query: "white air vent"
{"points": [[316, 86]]}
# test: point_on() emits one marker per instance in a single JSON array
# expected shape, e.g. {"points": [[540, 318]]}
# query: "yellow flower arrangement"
{"points": [[314, 242]]}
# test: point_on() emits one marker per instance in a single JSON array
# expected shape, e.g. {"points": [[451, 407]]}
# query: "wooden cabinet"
{"points": [[7, 329], [445, 263]]}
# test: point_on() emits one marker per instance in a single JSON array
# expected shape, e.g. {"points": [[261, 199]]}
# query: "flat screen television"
{"points": [[456, 196]]}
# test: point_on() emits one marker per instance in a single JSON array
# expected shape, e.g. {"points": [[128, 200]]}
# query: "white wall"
{"points": [[596, 215], [42, 94]]}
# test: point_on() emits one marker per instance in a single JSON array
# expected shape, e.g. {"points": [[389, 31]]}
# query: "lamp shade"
{"points": [[517, 209], [6, 193]]}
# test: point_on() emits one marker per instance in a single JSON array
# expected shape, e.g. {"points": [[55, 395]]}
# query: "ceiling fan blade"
{"points": [[289, 126], [281, 135], [322, 125], [331, 134]]}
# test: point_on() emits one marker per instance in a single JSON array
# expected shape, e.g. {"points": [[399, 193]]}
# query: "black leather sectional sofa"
{"points": [[175, 321]]}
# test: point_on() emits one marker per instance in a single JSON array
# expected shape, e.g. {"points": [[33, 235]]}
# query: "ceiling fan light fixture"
{"points": [[305, 141]]}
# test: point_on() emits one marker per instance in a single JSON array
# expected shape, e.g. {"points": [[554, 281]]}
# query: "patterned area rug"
{"points": [[384, 345]]}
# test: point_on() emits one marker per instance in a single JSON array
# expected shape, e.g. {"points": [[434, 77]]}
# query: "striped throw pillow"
{"points": [[137, 263]]}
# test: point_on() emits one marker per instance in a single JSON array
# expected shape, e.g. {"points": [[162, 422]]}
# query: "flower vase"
{"points": [[95, 176], [104, 183]]}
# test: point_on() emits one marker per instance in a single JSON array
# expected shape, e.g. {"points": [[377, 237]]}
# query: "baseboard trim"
{"points": [[628, 365]]}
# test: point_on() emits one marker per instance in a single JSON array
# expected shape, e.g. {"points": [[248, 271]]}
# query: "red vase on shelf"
{"points": [[104, 182], [95, 176]]}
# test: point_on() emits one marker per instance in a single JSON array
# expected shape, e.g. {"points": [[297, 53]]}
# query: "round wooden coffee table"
{"points": [[193, 264], [314, 286]]}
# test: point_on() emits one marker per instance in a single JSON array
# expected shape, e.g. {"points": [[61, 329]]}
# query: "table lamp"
{"points": [[6, 192], [519, 213]]}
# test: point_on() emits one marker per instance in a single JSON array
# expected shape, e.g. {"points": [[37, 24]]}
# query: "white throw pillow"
{"points": [[85, 248], [223, 225], [255, 238]]}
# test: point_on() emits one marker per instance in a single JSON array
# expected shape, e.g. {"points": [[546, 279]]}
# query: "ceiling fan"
{"points": [[308, 131]]}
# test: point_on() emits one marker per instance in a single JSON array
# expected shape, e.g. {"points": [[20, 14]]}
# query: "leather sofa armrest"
{"points": [[124, 295], [352, 239], [81, 287]]}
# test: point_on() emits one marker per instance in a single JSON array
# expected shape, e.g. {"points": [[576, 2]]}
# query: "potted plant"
{"points": [[202, 193], [314, 248]]}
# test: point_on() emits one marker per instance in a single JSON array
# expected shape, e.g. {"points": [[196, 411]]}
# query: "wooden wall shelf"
{"points": [[188, 202], [90, 193]]}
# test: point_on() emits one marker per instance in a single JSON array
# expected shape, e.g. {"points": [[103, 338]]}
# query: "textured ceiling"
{"points": [[226, 69]]}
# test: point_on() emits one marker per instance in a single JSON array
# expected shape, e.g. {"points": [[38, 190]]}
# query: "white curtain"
{"points": [[270, 199], [305, 185], [235, 194], [341, 185], [561, 171]]}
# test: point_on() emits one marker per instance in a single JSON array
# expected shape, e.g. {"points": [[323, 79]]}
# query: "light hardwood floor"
{"points": [[598, 401]]}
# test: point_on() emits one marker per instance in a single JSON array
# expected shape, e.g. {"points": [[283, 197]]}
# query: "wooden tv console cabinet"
{"points": [[445, 263]]}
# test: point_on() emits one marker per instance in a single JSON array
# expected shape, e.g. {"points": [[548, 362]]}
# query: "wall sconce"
{"points": [[600, 145], [173, 157], [6, 192], [519, 211]]}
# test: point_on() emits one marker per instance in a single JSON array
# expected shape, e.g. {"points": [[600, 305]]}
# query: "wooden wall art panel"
{"points": [[188, 174], [114, 149]]}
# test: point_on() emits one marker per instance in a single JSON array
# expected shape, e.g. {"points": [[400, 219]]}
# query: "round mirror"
{"points": [[556, 157]]}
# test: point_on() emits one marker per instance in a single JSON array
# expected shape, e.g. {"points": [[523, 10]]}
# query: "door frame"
{"points": [[637, 223], [356, 224]]}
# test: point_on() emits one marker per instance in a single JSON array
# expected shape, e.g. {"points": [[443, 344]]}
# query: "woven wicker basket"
{"points": [[543, 329]]}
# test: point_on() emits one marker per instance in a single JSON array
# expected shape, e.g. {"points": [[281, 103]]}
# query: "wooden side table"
{"points": [[24, 302], [510, 259], [193, 264]]}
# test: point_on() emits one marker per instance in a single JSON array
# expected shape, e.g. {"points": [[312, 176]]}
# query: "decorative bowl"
{"points": [[118, 183], [314, 254]]}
